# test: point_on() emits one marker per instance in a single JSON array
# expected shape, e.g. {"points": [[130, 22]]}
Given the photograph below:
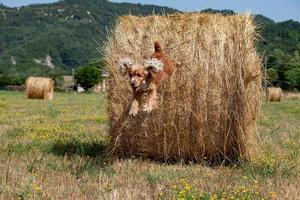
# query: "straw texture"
{"points": [[39, 88], [274, 94]]}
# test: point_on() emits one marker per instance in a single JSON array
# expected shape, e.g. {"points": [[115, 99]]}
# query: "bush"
{"points": [[4, 80], [88, 76], [11, 80], [293, 77]]}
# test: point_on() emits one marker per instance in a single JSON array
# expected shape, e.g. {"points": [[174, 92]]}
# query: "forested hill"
{"points": [[280, 45], [50, 38], [53, 38]]}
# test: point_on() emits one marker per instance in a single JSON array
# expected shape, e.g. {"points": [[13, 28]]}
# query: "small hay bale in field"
{"points": [[39, 88], [274, 94], [208, 108]]}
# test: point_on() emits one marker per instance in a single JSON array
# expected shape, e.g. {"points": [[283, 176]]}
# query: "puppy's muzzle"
{"points": [[133, 85]]}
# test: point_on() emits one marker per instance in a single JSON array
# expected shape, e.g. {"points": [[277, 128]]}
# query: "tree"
{"points": [[272, 75], [293, 73], [88, 76], [277, 60], [293, 77], [4, 79]]}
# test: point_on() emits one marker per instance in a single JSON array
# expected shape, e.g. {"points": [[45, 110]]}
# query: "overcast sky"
{"points": [[278, 10]]}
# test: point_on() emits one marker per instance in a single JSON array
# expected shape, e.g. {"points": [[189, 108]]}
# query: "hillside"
{"points": [[51, 39], [280, 46]]}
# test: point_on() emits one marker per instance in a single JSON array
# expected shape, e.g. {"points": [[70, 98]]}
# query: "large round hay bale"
{"points": [[39, 88], [208, 108], [274, 94]]}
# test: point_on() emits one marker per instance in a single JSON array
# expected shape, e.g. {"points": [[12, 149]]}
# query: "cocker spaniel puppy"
{"points": [[145, 79]]}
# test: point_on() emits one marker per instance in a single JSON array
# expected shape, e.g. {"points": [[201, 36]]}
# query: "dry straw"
{"points": [[274, 94], [39, 88], [208, 108]]}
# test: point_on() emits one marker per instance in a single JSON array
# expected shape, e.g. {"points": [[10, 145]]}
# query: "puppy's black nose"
{"points": [[132, 84]]}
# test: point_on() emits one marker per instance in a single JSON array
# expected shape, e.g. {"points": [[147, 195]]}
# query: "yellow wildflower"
{"points": [[182, 181], [272, 195]]}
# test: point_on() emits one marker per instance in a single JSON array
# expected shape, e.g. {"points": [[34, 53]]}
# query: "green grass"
{"points": [[57, 150]]}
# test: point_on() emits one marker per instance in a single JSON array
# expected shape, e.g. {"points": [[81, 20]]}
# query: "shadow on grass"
{"points": [[101, 150], [232, 162], [75, 147], [81, 157], [93, 153]]}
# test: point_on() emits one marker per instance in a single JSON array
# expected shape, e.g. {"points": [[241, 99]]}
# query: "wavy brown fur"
{"points": [[208, 107]]}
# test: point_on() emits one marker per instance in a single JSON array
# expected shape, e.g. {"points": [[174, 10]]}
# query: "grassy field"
{"points": [[56, 150]]}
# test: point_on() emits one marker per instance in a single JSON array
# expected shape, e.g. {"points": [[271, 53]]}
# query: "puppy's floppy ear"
{"points": [[153, 65], [124, 65]]}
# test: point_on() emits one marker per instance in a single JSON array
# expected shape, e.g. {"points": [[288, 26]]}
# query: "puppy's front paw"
{"points": [[133, 112], [147, 108]]}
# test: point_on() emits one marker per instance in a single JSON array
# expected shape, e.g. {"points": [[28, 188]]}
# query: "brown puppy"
{"points": [[144, 79]]}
